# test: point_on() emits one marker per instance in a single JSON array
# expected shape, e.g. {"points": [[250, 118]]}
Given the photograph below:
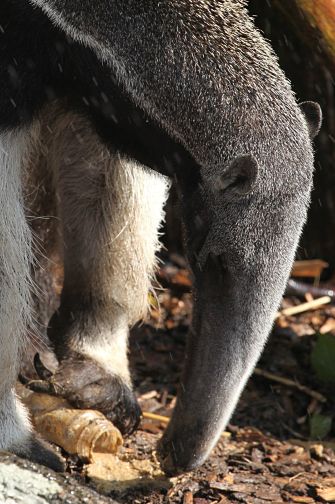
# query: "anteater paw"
{"points": [[87, 385]]}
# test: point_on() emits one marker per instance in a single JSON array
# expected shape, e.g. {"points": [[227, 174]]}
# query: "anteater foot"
{"points": [[85, 384]]}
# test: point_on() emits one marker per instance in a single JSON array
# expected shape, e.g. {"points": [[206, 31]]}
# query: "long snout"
{"points": [[227, 335]]}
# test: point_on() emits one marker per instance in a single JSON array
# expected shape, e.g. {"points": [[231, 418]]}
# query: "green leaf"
{"points": [[320, 426], [323, 358]]}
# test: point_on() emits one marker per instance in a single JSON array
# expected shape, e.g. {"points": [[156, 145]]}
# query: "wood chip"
{"points": [[224, 500], [302, 498], [188, 498], [327, 494], [312, 268]]}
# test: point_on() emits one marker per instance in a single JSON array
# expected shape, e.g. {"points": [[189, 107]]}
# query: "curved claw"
{"points": [[43, 387], [43, 372], [23, 379], [126, 415]]}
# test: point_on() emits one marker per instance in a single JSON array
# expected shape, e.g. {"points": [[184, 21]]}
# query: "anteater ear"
{"points": [[313, 115], [240, 176]]}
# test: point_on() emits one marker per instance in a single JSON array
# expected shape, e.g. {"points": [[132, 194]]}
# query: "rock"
{"points": [[21, 485], [24, 482]]}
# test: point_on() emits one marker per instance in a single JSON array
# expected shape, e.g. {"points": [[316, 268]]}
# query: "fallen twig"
{"points": [[290, 383], [296, 288], [310, 305], [154, 416]]}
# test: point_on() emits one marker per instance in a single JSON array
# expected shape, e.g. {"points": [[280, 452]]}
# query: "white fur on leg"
{"points": [[109, 349], [15, 300], [136, 204], [134, 214], [15, 426]]}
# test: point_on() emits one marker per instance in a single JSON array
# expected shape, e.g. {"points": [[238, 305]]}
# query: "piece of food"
{"points": [[81, 432]]}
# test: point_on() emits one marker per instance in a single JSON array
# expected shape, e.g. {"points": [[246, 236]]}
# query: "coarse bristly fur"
{"points": [[191, 89], [15, 297], [15, 285]]}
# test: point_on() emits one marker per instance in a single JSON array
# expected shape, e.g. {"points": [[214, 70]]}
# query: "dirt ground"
{"points": [[267, 454]]}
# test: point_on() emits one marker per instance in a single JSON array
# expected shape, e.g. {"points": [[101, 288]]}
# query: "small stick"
{"points": [[166, 420], [154, 416], [290, 383], [296, 288], [310, 305]]}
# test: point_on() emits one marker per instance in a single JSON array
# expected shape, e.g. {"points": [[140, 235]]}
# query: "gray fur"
{"points": [[157, 51]]}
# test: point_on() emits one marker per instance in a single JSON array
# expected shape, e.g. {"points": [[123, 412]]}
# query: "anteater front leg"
{"points": [[111, 210]]}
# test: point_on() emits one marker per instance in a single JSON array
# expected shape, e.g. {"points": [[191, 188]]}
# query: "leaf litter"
{"points": [[279, 445]]}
